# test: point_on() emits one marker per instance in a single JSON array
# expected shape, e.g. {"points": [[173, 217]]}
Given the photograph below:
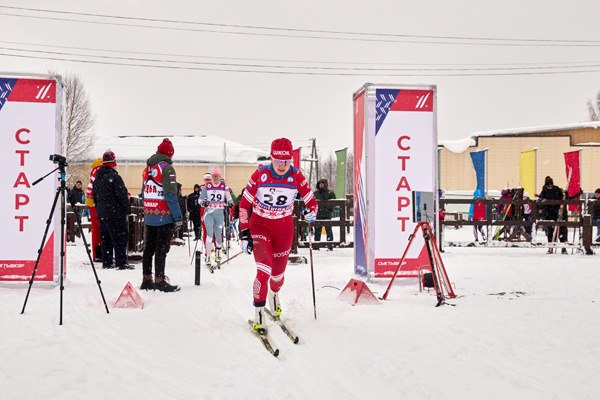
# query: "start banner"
{"points": [[395, 176], [31, 131]]}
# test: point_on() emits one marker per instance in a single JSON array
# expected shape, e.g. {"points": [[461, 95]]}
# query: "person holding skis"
{"points": [[269, 232], [161, 215], [215, 197]]}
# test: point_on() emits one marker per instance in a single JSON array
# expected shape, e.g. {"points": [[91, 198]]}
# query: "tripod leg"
{"points": [[89, 253], [37, 261], [436, 282]]}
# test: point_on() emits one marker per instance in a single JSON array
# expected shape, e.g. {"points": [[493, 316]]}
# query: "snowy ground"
{"points": [[195, 344]]}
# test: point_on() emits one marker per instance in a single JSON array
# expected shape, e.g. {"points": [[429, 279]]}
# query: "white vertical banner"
{"points": [[400, 145], [31, 130]]}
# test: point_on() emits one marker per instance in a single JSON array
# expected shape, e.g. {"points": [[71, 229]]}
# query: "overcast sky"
{"points": [[253, 108]]}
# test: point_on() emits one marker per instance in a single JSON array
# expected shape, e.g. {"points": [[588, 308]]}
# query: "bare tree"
{"points": [[327, 168], [79, 120], [594, 110], [350, 173]]}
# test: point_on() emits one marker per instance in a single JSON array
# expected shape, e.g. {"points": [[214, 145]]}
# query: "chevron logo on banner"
{"points": [[6, 86], [384, 100]]}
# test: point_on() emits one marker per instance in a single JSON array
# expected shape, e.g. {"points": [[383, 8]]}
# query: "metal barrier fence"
{"points": [[505, 232], [301, 226]]}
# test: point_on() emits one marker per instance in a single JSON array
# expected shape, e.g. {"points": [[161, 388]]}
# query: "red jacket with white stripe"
{"points": [[272, 196]]}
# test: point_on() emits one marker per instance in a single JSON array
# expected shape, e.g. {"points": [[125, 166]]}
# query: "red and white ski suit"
{"points": [[271, 197]]}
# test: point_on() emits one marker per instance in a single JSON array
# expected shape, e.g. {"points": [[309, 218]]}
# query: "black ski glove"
{"points": [[246, 241]]}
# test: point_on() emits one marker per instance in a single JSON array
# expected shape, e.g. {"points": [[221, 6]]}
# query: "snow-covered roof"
{"points": [[201, 149], [539, 129], [461, 145], [457, 146]]}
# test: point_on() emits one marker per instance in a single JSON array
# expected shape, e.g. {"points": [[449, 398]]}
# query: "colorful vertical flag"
{"points": [[340, 174], [527, 172], [296, 157], [478, 158], [573, 171]]}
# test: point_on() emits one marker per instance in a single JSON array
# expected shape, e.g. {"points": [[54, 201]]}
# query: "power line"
{"points": [[281, 72], [46, 45], [307, 33], [296, 29], [298, 67]]}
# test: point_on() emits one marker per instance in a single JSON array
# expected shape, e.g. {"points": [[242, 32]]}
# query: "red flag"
{"points": [[296, 157], [573, 171]]}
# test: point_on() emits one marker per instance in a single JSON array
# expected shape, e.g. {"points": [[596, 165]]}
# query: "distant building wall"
{"points": [[457, 173]]}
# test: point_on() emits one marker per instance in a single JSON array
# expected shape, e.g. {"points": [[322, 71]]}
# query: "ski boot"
{"points": [[274, 304], [218, 258], [209, 264], [259, 325]]}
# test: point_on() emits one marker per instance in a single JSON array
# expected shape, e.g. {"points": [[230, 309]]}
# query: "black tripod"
{"points": [[60, 192]]}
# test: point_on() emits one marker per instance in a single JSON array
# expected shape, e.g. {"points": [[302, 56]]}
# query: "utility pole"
{"points": [[314, 158]]}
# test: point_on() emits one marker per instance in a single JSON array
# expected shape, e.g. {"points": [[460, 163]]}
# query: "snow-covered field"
{"points": [[538, 340]]}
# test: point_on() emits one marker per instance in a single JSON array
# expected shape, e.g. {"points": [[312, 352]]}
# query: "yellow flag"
{"points": [[527, 172]]}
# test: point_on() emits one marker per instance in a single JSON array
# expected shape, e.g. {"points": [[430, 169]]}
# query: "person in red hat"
{"points": [[112, 207], [161, 215], [269, 231]]}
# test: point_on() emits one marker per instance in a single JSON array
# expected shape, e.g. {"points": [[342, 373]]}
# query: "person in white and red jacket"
{"points": [[269, 232]]}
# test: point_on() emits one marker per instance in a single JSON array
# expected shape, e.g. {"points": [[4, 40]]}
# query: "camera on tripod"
{"points": [[58, 159]]}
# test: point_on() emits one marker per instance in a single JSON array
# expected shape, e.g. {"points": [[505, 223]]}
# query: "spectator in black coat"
{"points": [[76, 197], [76, 194], [194, 210], [551, 211], [183, 207], [323, 193], [112, 206]]}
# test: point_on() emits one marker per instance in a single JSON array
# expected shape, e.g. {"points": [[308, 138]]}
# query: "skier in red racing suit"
{"points": [[270, 193]]}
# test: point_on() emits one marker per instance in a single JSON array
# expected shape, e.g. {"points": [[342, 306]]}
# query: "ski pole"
{"points": [[195, 247], [188, 237], [312, 272]]}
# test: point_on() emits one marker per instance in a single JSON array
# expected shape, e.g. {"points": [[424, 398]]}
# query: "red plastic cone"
{"points": [[129, 298], [357, 292]]}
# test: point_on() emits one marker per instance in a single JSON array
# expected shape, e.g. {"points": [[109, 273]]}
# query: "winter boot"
{"points": [[162, 284], [147, 283], [259, 325], [564, 251], [274, 304]]}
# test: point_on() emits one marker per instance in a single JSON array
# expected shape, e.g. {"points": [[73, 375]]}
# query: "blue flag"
{"points": [[478, 158]]}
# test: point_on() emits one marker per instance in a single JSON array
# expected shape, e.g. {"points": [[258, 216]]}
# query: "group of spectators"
{"points": [[165, 210], [509, 211]]}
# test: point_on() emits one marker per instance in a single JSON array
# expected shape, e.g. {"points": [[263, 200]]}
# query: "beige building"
{"points": [[504, 148], [194, 156]]}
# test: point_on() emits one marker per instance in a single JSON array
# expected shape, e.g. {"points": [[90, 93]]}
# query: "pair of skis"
{"points": [[265, 339]]}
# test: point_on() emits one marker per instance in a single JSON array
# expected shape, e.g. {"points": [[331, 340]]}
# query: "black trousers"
{"points": [[157, 242], [195, 218], [114, 234]]}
